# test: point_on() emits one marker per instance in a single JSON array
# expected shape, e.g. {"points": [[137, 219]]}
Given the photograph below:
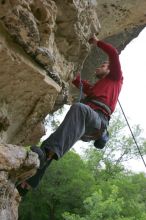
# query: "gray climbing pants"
{"points": [[80, 120]]}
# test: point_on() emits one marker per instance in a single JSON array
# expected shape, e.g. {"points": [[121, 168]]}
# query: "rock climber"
{"points": [[86, 120]]}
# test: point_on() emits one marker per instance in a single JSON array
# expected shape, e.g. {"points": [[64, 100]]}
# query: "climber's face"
{"points": [[103, 70]]}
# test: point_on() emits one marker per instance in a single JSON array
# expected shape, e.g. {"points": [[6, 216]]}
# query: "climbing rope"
{"points": [[81, 84], [132, 133], [81, 89]]}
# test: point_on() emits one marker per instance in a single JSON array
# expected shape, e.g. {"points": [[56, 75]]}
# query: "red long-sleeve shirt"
{"points": [[107, 89]]}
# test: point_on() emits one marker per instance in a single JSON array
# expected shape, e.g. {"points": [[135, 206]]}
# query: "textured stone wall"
{"points": [[43, 43], [16, 164]]}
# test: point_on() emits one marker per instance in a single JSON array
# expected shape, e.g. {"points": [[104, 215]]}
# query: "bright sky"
{"points": [[132, 97], [133, 94]]}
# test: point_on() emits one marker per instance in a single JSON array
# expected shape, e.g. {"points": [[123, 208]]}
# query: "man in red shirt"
{"points": [[86, 120], [108, 87]]}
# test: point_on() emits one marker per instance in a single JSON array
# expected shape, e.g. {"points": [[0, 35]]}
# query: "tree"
{"points": [[121, 146], [118, 199], [66, 184], [97, 208]]}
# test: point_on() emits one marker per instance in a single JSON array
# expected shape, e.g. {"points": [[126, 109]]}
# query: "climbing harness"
{"points": [[132, 133], [98, 103]]}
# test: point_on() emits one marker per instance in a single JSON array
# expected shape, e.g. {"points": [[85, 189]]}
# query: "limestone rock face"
{"points": [[43, 43], [16, 165]]}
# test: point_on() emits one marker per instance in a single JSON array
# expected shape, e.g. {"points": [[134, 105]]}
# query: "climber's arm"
{"points": [[86, 85], [114, 62]]}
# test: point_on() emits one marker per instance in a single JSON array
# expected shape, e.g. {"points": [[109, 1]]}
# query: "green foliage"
{"points": [[68, 216], [73, 191], [119, 199], [119, 195], [66, 184], [121, 146]]}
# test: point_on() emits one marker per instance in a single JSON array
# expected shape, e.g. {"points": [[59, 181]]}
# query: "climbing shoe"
{"points": [[45, 161], [23, 188], [33, 182]]}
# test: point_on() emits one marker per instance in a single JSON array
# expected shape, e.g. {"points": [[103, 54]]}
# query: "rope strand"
{"points": [[132, 134], [81, 90]]}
